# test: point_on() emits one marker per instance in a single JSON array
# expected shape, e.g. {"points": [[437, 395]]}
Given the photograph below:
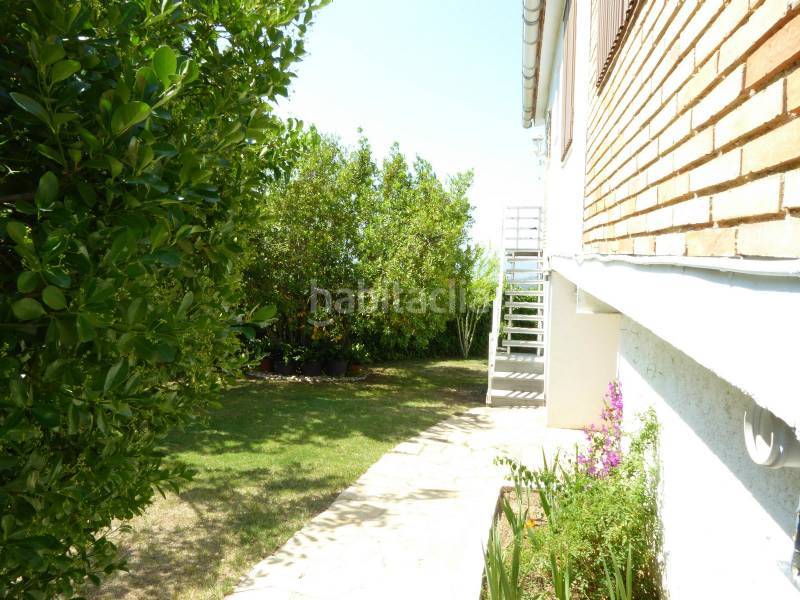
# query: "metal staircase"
{"points": [[517, 341]]}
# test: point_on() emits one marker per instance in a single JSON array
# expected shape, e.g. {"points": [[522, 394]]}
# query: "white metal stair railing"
{"points": [[517, 341]]}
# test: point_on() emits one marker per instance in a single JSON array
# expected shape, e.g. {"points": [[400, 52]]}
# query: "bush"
{"points": [[135, 138], [595, 517]]}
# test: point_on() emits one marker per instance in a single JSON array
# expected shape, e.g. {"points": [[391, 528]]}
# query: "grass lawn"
{"points": [[273, 457]]}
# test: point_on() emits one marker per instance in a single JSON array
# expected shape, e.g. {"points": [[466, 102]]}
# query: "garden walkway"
{"points": [[415, 524]]}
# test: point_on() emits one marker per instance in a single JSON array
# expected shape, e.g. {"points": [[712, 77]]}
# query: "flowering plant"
{"points": [[605, 442]]}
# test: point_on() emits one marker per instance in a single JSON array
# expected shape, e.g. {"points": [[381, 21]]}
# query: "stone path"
{"points": [[415, 524]]}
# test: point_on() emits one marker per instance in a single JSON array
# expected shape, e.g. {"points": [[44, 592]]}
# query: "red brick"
{"points": [[711, 242], [772, 149], [694, 149], [753, 114], [740, 44], [791, 189], [780, 50], [692, 212], [753, 199], [793, 91], [715, 172], [671, 244], [673, 188], [719, 98], [780, 239], [644, 245]]}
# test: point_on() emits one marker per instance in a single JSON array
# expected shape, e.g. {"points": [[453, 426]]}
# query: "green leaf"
{"points": [[51, 53], [265, 313], [114, 166], [54, 298], [116, 375], [27, 282], [17, 231], [165, 62], [128, 115], [27, 309], [86, 331], [58, 277], [63, 69], [168, 258], [136, 311], [47, 192], [188, 298], [158, 235], [32, 106]]}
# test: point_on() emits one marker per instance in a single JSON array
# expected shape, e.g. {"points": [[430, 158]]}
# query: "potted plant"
{"points": [[311, 363], [358, 357], [336, 363], [287, 363], [266, 349]]}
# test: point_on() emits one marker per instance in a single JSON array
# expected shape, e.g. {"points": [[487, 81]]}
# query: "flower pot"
{"points": [[336, 367], [355, 369], [283, 367], [267, 364], [312, 368]]}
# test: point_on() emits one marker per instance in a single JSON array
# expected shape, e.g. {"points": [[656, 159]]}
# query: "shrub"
{"points": [[600, 507], [134, 139]]}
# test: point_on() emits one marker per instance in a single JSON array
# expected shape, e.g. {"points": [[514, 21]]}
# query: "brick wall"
{"points": [[693, 142]]}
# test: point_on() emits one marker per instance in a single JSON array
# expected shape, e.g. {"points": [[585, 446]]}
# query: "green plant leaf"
{"points": [[63, 69], [17, 231], [188, 298], [86, 332], [47, 192], [54, 298], [165, 63], [158, 235], [32, 106], [58, 277], [51, 53], [116, 375], [27, 309], [265, 313], [27, 282], [128, 115]]}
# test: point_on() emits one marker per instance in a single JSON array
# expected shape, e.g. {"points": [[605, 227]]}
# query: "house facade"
{"points": [[672, 215]]}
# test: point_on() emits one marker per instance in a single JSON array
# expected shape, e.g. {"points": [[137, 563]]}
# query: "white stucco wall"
{"points": [[581, 358], [728, 523]]}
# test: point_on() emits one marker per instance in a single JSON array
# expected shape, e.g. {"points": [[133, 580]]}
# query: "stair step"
{"points": [[506, 363], [517, 382], [515, 398], [526, 330], [513, 317], [522, 343], [523, 304]]}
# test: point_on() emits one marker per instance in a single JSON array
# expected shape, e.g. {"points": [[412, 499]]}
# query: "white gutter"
{"points": [[742, 266], [532, 12], [542, 20]]}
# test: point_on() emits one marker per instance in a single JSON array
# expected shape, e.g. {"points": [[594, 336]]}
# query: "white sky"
{"points": [[441, 77]]}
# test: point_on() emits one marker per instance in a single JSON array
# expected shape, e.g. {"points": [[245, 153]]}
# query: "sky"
{"points": [[440, 77]]}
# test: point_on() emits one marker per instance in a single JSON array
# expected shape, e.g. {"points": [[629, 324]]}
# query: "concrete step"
{"points": [[522, 344], [513, 317], [525, 330], [500, 398], [523, 304], [517, 381]]}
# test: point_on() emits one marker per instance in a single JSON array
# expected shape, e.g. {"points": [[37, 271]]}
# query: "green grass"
{"points": [[272, 458]]}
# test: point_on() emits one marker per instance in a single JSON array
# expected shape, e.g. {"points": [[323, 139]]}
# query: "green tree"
{"points": [[478, 284], [135, 140], [409, 253]]}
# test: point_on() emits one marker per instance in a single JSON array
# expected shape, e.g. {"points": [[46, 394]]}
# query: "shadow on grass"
{"points": [[394, 403], [274, 456]]}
